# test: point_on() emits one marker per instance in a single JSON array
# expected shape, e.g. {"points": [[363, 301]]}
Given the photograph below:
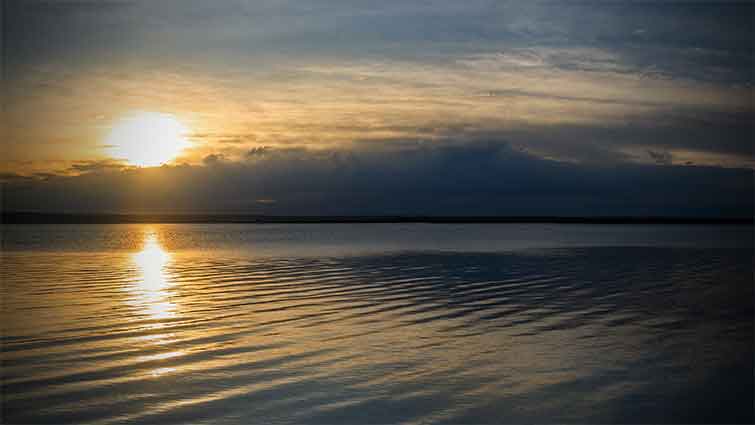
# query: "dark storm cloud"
{"points": [[709, 132], [691, 129], [474, 179]]}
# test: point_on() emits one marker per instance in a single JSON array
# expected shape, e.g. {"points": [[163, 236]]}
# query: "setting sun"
{"points": [[147, 139]]}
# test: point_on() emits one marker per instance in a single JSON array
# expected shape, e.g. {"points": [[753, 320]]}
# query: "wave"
{"points": [[574, 334]]}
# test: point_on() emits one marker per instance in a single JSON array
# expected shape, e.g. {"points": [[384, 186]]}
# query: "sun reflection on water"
{"points": [[151, 292], [153, 298]]}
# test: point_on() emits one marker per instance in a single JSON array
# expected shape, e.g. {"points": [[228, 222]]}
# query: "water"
{"points": [[377, 323]]}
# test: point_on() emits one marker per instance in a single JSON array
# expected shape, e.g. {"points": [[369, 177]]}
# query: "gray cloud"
{"points": [[663, 38], [474, 179], [213, 159], [661, 158], [96, 166]]}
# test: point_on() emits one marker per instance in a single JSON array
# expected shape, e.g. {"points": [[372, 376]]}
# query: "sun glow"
{"points": [[147, 139]]}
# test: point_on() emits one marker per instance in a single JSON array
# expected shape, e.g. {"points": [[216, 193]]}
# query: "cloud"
{"points": [[257, 151], [661, 158], [13, 177], [97, 166], [570, 98], [213, 159], [480, 178], [578, 82]]}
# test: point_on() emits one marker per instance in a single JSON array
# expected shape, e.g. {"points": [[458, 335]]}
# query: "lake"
{"points": [[377, 323]]}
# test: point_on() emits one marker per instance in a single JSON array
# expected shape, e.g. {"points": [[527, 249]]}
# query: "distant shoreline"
{"points": [[63, 218]]}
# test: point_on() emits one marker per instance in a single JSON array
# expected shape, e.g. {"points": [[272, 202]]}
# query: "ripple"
{"points": [[574, 334]]}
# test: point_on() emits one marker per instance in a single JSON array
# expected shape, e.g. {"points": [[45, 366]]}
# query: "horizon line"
{"points": [[29, 217]]}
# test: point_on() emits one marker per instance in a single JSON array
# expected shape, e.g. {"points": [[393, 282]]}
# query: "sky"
{"points": [[390, 107]]}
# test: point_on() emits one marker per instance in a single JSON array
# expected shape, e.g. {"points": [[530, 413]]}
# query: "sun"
{"points": [[147, 139]]}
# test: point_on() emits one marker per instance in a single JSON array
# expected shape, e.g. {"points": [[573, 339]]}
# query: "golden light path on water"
{"points": [[151, 290], [152, 296]]}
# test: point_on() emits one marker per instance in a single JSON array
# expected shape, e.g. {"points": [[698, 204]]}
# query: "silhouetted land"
{"points": [[46, 218]]}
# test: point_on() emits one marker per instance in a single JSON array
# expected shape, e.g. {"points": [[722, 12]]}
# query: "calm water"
{"points": [[377, 323]]}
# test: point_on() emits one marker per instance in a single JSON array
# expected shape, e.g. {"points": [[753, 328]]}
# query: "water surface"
{"points": [[377, 323]]}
